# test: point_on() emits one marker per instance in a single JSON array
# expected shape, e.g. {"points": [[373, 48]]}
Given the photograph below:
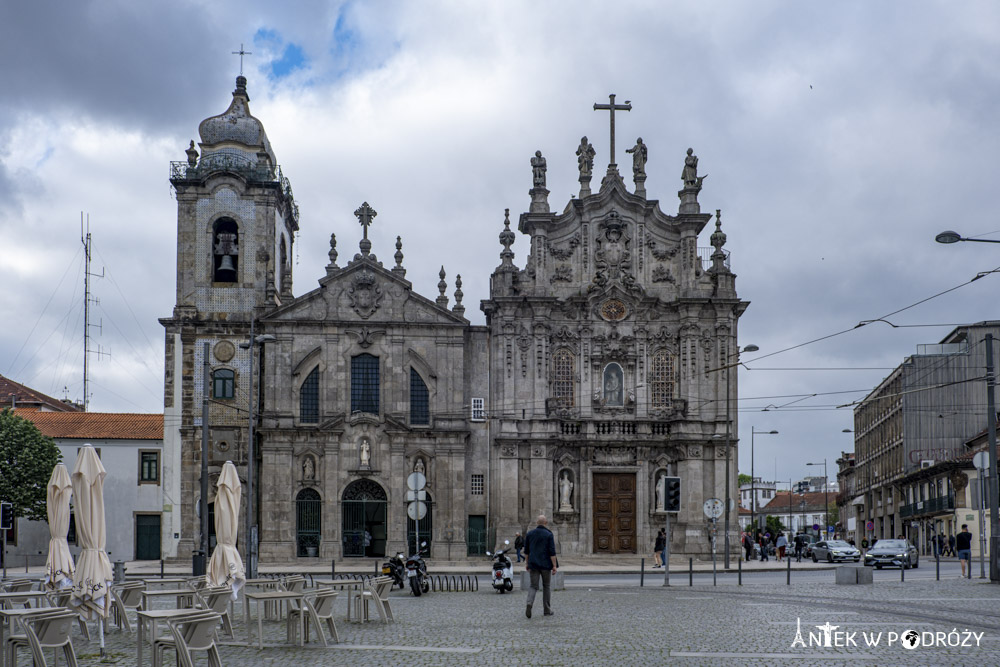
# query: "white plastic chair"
{"points": [[191, 632], [217, 599], [61, 598], [125, 597], [318, 608], [48, 629], [377, 592]]}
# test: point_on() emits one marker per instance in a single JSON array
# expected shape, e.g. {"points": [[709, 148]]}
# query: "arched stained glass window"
{"points": [[661, 380], [364, 383], [564, 378], [419, 400], [309, 398]]}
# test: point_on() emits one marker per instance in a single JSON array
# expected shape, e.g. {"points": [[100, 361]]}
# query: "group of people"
{"points": [[765, 543]]}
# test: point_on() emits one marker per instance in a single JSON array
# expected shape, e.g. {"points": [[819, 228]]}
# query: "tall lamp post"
{"points": [[753, 479], [826, 497], [991, 421], [729, 439], [251, 549]]}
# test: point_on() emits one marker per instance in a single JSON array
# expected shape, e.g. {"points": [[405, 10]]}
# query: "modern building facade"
{"points": [[601, 368]]}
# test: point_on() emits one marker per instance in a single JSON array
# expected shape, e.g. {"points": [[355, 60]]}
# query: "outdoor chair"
{"points": [[18, 586], [61, 598], [49, 628], [377, 592], [294, 583], [217, 599], [191, 632], [198, 583], [125, 597], [317, 609]]}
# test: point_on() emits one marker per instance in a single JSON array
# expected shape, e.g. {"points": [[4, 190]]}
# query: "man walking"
{"points": [[963, 543], [540, 548], [799, 543], [518, 545]]}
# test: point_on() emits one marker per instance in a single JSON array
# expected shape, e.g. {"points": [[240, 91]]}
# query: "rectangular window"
{"points": [[478, 409], [223, 381], [364, 384], [419, 400], [477, 485], [309, 398], [149, 467]]}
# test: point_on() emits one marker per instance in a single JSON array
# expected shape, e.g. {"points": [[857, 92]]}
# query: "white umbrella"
{"points": [[226, 566], [93, 569], [59, 564]]}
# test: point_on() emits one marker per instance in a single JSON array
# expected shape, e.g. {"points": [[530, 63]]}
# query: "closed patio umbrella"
{"points": [[93, 569], [226, 566], [59, 564]]}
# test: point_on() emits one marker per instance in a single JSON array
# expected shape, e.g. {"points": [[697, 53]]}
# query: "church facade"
{"points": [[597, 373]]}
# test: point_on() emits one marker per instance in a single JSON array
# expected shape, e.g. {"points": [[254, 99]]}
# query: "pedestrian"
{"points": [[747, 545], [951, 545], [799, 543], [782, 543], [963, 543], [763, 548], [518, 545], [864, 545], [540, 548], [663, 553], [661, 541]]}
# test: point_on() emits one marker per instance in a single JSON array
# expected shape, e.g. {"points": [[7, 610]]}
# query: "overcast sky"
{"points": [[838, 139]]}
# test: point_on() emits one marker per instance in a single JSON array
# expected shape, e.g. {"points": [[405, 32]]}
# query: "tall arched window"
{"points": [[308, 522], [661, 380], [419, 399], [364, 383], [223, 381], [564, 378], [225, 251], [309, 398]]}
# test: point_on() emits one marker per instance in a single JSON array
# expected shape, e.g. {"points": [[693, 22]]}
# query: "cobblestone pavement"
{"points": [[751, 625]]}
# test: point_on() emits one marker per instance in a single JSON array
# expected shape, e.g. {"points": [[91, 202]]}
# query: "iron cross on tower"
{"points": [[242, 53], [612, 107]]}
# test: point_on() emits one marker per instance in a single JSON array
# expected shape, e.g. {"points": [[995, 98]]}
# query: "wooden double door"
{"points": [[614, 513]]}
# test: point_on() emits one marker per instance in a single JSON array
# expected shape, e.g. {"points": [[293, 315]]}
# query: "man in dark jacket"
{"points": [[518, 545], [540, 548]]}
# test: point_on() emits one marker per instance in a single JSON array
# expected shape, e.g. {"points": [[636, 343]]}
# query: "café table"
{"points": [[21, 597], [165, 581], [183, 596], [153, 617], [268, 597]]}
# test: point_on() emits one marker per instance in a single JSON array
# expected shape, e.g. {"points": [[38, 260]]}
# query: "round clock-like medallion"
{"points": [[613, 310], [224, 351]]}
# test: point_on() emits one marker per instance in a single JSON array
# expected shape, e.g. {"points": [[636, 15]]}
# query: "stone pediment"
{"points": [[364, 293]]}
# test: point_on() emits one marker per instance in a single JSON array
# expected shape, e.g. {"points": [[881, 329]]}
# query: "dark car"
{"points": [[893, 553], [834, 550]]}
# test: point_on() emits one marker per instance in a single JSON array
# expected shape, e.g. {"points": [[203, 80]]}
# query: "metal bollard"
{"points": [[642, 571], [333, 569], [739, 571], [26, 563], [789, 575], [937, 564], [161, 568], [902, 573], [690, 571]]}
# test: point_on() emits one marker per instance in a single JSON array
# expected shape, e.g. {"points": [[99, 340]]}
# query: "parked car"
{"points": [[895, 553], [834, 550]]}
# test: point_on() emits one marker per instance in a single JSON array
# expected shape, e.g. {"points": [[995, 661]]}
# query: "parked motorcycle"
{"points": [[503, 571], [396, 568], [416, 572]]}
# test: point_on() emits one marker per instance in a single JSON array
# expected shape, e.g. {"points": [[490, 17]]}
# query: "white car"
{"points": [[834, 550]]}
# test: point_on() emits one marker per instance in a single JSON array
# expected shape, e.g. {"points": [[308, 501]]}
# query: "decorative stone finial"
{"points": [[458, 308], [507, 239], [192, 154], [241, 87], [585, 162], [398, 269], [442, 300], [718, 239], [332, 266]]}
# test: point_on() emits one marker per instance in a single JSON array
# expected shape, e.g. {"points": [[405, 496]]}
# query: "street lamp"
{"points": [[826, 497], [991, 422], [753, 479], [251, 550], [729, 438]]}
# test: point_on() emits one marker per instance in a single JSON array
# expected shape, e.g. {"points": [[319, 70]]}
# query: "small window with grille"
{"points": [[478, 409], [477, 485], [563, 378]]}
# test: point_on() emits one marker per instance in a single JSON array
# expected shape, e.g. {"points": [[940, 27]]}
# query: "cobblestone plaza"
{"points": [[603, 625]]}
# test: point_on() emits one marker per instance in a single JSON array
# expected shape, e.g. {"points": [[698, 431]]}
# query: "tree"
{"points": [[743, 478], [773, 525], [26, 461]]}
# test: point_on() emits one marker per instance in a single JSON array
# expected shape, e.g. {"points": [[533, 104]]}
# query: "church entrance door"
{"points": [[614, 513], [364, 525]]}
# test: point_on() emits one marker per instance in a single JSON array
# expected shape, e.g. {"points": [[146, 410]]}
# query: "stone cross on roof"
{"points": [[612, 107], [242, 53], [365, 214]]}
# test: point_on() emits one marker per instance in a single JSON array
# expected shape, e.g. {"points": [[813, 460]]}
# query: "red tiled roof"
{"points": [[16, 394], [813, 502], [96, 425]]}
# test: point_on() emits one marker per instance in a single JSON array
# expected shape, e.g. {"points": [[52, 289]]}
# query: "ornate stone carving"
{"points": [[613, 310], [613, 254], [562, 274], [661, 274], [508, 450], [660, 253], [365, 336], [567, 252], [365, 293], [694, 451], [614, 456], [224, 351]]}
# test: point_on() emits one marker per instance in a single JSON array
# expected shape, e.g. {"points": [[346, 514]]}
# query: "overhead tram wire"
{"points": [[124, 299]]}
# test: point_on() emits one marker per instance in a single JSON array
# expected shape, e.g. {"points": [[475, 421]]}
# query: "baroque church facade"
{"points": [[596, 375]]}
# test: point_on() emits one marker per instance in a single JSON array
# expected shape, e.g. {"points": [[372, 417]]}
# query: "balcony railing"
{"points": [[705, 255], [929, 506], [235, 163]]}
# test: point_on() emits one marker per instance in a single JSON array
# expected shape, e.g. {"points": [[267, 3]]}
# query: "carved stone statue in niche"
{"points": [[661, 492], [366, 454], [418, 465], [308, 469], [613, 389], [565, 492]]}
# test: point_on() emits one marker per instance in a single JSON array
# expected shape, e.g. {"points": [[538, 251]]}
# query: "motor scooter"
{"points": [[503, 571], [395, 567], [416, 572]]}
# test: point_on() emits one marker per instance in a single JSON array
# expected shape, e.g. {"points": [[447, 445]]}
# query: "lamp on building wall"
{"points": [[991, 421], [753, 479], [251, 527]]}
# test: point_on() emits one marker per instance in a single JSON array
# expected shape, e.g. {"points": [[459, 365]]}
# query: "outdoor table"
{"points": [[266, 584], [7, 599], [270, 596], [7, 617], [153, 616], [181, 594], [343, 584], [166, 581]]}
